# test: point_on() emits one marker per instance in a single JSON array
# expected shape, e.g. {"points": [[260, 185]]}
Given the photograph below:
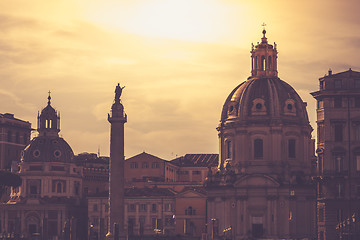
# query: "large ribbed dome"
{"points": [[48, 149], [264, 99], [48, 146]]}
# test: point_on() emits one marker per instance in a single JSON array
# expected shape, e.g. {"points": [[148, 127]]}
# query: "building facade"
{"points": [[147, 212], [263, 187], [338, 152], [14, 136], [95, 172]]}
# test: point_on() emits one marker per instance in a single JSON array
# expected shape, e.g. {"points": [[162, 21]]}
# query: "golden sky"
{"points": [[178, 59]]}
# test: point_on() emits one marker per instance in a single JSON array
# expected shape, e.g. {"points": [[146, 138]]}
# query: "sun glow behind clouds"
{"points": [[196, 20]]}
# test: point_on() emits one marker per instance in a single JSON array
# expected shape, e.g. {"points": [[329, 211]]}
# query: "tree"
{"points": [[8, 179]]}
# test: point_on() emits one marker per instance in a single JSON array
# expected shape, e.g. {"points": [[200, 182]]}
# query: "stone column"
{"points": [[117, 119]]}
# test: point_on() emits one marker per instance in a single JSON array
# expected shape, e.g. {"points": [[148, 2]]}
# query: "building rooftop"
{"points": [[197, 160], [10, 116], [140, 192], [144, 155]]}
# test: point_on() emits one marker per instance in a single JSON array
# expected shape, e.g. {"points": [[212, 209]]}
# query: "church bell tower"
{"points": [[117, 119]]}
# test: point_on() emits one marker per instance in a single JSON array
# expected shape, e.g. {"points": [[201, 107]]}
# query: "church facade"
{"points": [[263, 186], [48, 203]]}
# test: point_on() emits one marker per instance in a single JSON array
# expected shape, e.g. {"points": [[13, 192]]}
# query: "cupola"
{"points": [[264, 59], [48, 121]]}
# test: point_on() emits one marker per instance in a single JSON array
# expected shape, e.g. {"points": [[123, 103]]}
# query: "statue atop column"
{"points": [[118, 91]]}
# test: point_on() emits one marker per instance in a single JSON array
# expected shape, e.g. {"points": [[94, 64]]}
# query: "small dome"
{"points": [[48, 149], [264, 99]]}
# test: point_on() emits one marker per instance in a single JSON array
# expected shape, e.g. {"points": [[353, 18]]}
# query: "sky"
{"points": [[177, 59]]}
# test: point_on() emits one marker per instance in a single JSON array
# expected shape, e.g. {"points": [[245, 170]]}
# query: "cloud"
{"points": [[10, 23]]}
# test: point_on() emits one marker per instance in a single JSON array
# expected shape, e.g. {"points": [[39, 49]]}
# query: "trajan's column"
{"points": [[117, 119]]}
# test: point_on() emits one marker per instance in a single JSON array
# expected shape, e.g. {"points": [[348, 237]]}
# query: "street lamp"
{"points": [[91, 231], [213, 220], [226, 230]]}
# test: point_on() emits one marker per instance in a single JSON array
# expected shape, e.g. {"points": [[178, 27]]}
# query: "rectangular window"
{"points": [[321, 214], [340, 190], [131, 225], [132, 208], [168, 207], [153, 207], [292, 148], [33, 190], [321, 85], [357, 162], [17, 138], [142, 207], [196, 172], [95, 207], [133, 165], [142, 220], [155, 165], [337, 102], [57, 168], [337, 84], [338, 130], [35, 168], [357, 83], [320, 104], [357, 131], [357, 102], [145, 165], [338, 163], [258, 148], [9, 136]]}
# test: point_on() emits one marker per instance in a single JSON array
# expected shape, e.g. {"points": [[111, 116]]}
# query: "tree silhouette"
{"points": [[8, 179]]}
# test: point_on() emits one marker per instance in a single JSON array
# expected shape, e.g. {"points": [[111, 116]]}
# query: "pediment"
{"points": [[190, 194], [257, 180]]}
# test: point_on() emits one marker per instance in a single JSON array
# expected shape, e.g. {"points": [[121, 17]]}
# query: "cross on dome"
{"points": [[49, 98]]}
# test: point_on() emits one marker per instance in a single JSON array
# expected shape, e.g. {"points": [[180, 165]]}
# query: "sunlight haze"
{"points": [[179, 60]]}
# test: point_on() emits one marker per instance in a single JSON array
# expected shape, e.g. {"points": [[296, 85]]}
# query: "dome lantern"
{"points": [[264, 59], [49, 121]]}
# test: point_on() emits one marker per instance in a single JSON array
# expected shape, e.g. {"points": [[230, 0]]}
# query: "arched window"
{"points": [[228, 149], [262, 63], [256, 63], [258, 148], [269, 62]]}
